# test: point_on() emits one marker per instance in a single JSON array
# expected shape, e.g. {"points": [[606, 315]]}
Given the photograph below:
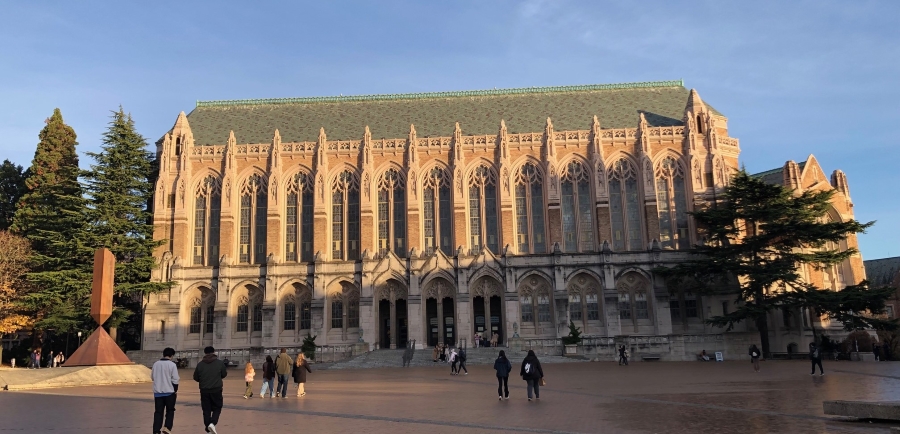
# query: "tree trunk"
{"points": [[762, 324]]}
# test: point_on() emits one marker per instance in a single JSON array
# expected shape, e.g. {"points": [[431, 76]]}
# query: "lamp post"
{"points": [[79, 341]]}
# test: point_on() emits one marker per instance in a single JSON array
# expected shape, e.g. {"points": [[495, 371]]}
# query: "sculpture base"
{"points": [[98, 349]]}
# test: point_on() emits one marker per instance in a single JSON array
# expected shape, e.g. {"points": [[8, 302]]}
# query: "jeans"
{"points": [[814, 363], [282, 385], [534, 384], [503, 387], [462, 367], [211, 404], [166, 403], [268, 386]]}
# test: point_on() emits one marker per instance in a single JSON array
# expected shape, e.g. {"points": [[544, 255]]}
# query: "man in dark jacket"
{"points": [[815, 356], [532, 373], [503, 368], [209, 373]]}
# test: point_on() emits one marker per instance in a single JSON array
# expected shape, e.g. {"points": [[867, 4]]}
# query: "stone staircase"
{"points": [[475, 356]]}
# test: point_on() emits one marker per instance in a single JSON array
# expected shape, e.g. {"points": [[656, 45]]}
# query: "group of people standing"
{"points": [[280, 368], [480, 341]]}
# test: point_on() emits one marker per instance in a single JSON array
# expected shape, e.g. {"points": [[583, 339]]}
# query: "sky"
{"points": [[794, 78]]}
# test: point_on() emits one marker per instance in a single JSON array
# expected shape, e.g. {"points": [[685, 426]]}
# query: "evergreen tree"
{"points": [[119, 188], [759, 238], [51, 215], [12, 187]]}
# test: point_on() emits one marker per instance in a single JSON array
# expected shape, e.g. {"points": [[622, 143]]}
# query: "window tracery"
{"points": [[529, 194], [345, 308], [299, 219], [438, 211], [672, 204], [207, 214], [483, 212], [577, 210], [392, 213], [633, 298], [534, 302], [584, 303], [345, 201], [624, 206], [254, 203]]}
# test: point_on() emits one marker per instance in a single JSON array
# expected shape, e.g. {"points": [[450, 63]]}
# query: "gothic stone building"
{"points": [[388, 219]]}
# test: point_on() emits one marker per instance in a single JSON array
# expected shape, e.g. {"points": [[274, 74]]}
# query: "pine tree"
{"points": [[51, 215], [12, 187], [759, 238], [119, 189]]}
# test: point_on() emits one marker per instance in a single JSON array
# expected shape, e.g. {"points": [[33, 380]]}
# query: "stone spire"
{"points": [[792, 175], [839, 182]]}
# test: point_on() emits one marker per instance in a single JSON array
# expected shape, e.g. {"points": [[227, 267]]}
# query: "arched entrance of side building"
{"points": [[392, 317], [440, 312], [487, 309]]}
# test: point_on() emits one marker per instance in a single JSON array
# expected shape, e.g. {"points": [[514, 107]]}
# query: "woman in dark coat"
{"points": [[301, 367], [503, 368], [532, 373], [268, 369]]}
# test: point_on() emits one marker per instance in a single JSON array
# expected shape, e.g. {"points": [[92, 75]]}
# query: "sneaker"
{"points": [[303, 394], [507, 397], [278, 395], [165, 430], [499, 398], [212, 428], [529, 399], [245, 396], [821, 374]]}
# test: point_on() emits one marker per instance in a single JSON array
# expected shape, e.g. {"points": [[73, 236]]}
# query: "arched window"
{"points": [[299, 219], [392, 213], [254, 201], [437, 212], [483, 214], [534, 303], [624, 207], [672, 203], [577, 209], [530, 210], [243, 314], [290, 314], [584, 303], [634, 302], [207, 212], [297, 305], [196, 314], [345, 217], [345, 308]]}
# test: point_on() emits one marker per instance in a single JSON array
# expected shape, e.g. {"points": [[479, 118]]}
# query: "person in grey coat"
{"points": [[503, 368]]}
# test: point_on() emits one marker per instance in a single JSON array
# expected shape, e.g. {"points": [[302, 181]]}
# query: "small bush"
{"points": [[574, 337], [309, 346]]}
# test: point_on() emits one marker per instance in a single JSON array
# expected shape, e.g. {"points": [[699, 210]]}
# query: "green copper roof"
{"points": [[434, 114]]}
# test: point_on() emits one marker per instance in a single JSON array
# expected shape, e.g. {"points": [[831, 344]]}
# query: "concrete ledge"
{"points": [[886, 410], [30, 379]]}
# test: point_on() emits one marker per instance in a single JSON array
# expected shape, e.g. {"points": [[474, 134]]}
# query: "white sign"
{"points": [[719, 357]]}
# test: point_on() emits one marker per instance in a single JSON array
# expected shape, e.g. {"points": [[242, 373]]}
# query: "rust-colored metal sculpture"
{"points": [[100, 348]]}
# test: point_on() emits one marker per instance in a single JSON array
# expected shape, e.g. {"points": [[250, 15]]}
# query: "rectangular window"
{"points": [[624, 306], [210, 318], [290, 316], [353, 225], [690, 308], [575, 308], [521, 219], [490, 215], [353, 314], [527, 310], [170, 201], [399, 246], [544, 309], [475, 218], [633, 215], [305, 316], [257, 317], [641, 309], [384, 211], [306, 232], [244, 244], [261, 220], [290, 229], [537, 218], [162, 330], [337, 314], [585, 218], [666, 238], [681, 216], [446, 220], [199, 230], [593, 307], [428, 220], [243, 312], [195, 320], [675, 310], [337, 226], [617, 215], [568, 217], [215, 213]]}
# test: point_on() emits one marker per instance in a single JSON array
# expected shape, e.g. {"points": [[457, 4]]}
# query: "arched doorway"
{"points": [[393, 324], [487, 309], [440, 313]]}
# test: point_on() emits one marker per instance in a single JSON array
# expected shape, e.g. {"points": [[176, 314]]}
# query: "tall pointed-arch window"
{"points": [[254, 203], [299, 219], [577, 212], [438, 211], [207, 212], [345, 217], [392, 213], [483, 210], [624, 207], [672, 203], [243, 314], [530, 210], [345, 308]]}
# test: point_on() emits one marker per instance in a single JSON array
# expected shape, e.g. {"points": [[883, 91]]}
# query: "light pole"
{"points": [[79, 341]]}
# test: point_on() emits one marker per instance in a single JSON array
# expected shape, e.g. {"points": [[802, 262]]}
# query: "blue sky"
{"points": [[794, 78]]}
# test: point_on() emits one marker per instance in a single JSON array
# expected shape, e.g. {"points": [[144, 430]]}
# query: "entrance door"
{"points": [[478, 308], [402, 324], [384, 322], [431, 318], [449, 321], [496, 318]]}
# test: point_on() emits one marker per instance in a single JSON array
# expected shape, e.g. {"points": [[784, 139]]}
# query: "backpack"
{"points": [[527, 368], [815, 353]]}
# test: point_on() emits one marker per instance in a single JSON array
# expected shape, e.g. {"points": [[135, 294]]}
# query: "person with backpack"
{"points": [[268, 369], [815, 356], [532, 373], [503, 368], [283, 364], [209, 374], [165, 389], [453, 360], [462, 362], [623, 355], [754, 357]]}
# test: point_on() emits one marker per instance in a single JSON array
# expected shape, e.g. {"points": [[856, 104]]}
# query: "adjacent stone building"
{"points": [[387, 219]]}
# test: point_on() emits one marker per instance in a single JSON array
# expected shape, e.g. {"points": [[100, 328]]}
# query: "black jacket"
{"points": [[209, 373], [299, 372], [534, 369], [268, 370], [503, 367]]}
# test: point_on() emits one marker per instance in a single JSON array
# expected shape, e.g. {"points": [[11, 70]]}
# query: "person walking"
{"points": [[443, 353], [435, 352], [503, 368], [754, 357], [301, 368], [453, 362], [283, 368], [623, 355], [532, 373], [268, 385], [462, 361], [50, 360], [209, 374], [249, 375], [815, 356], [165, 389]]}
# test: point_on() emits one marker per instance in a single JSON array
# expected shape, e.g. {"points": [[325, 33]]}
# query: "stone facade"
{"points": [[433, 237]]}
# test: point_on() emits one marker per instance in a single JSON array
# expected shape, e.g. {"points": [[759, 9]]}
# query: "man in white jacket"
{"points": [[165, 390]]}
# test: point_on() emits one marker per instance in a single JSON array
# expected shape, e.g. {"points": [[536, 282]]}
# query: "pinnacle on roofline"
{"points": [[450, 94]]}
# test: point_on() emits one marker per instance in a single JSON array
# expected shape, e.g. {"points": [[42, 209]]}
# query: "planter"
{"points": [[573, 350]]}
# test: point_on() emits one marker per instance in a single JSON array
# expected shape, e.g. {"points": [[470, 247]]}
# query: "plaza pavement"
{"points": [[648, 397]]}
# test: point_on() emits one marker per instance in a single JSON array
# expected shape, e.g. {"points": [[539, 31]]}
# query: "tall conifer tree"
{"points": [[12, 187]]}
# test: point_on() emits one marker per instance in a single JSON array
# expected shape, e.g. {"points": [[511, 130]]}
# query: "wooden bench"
{"points": [[650, 357]]}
